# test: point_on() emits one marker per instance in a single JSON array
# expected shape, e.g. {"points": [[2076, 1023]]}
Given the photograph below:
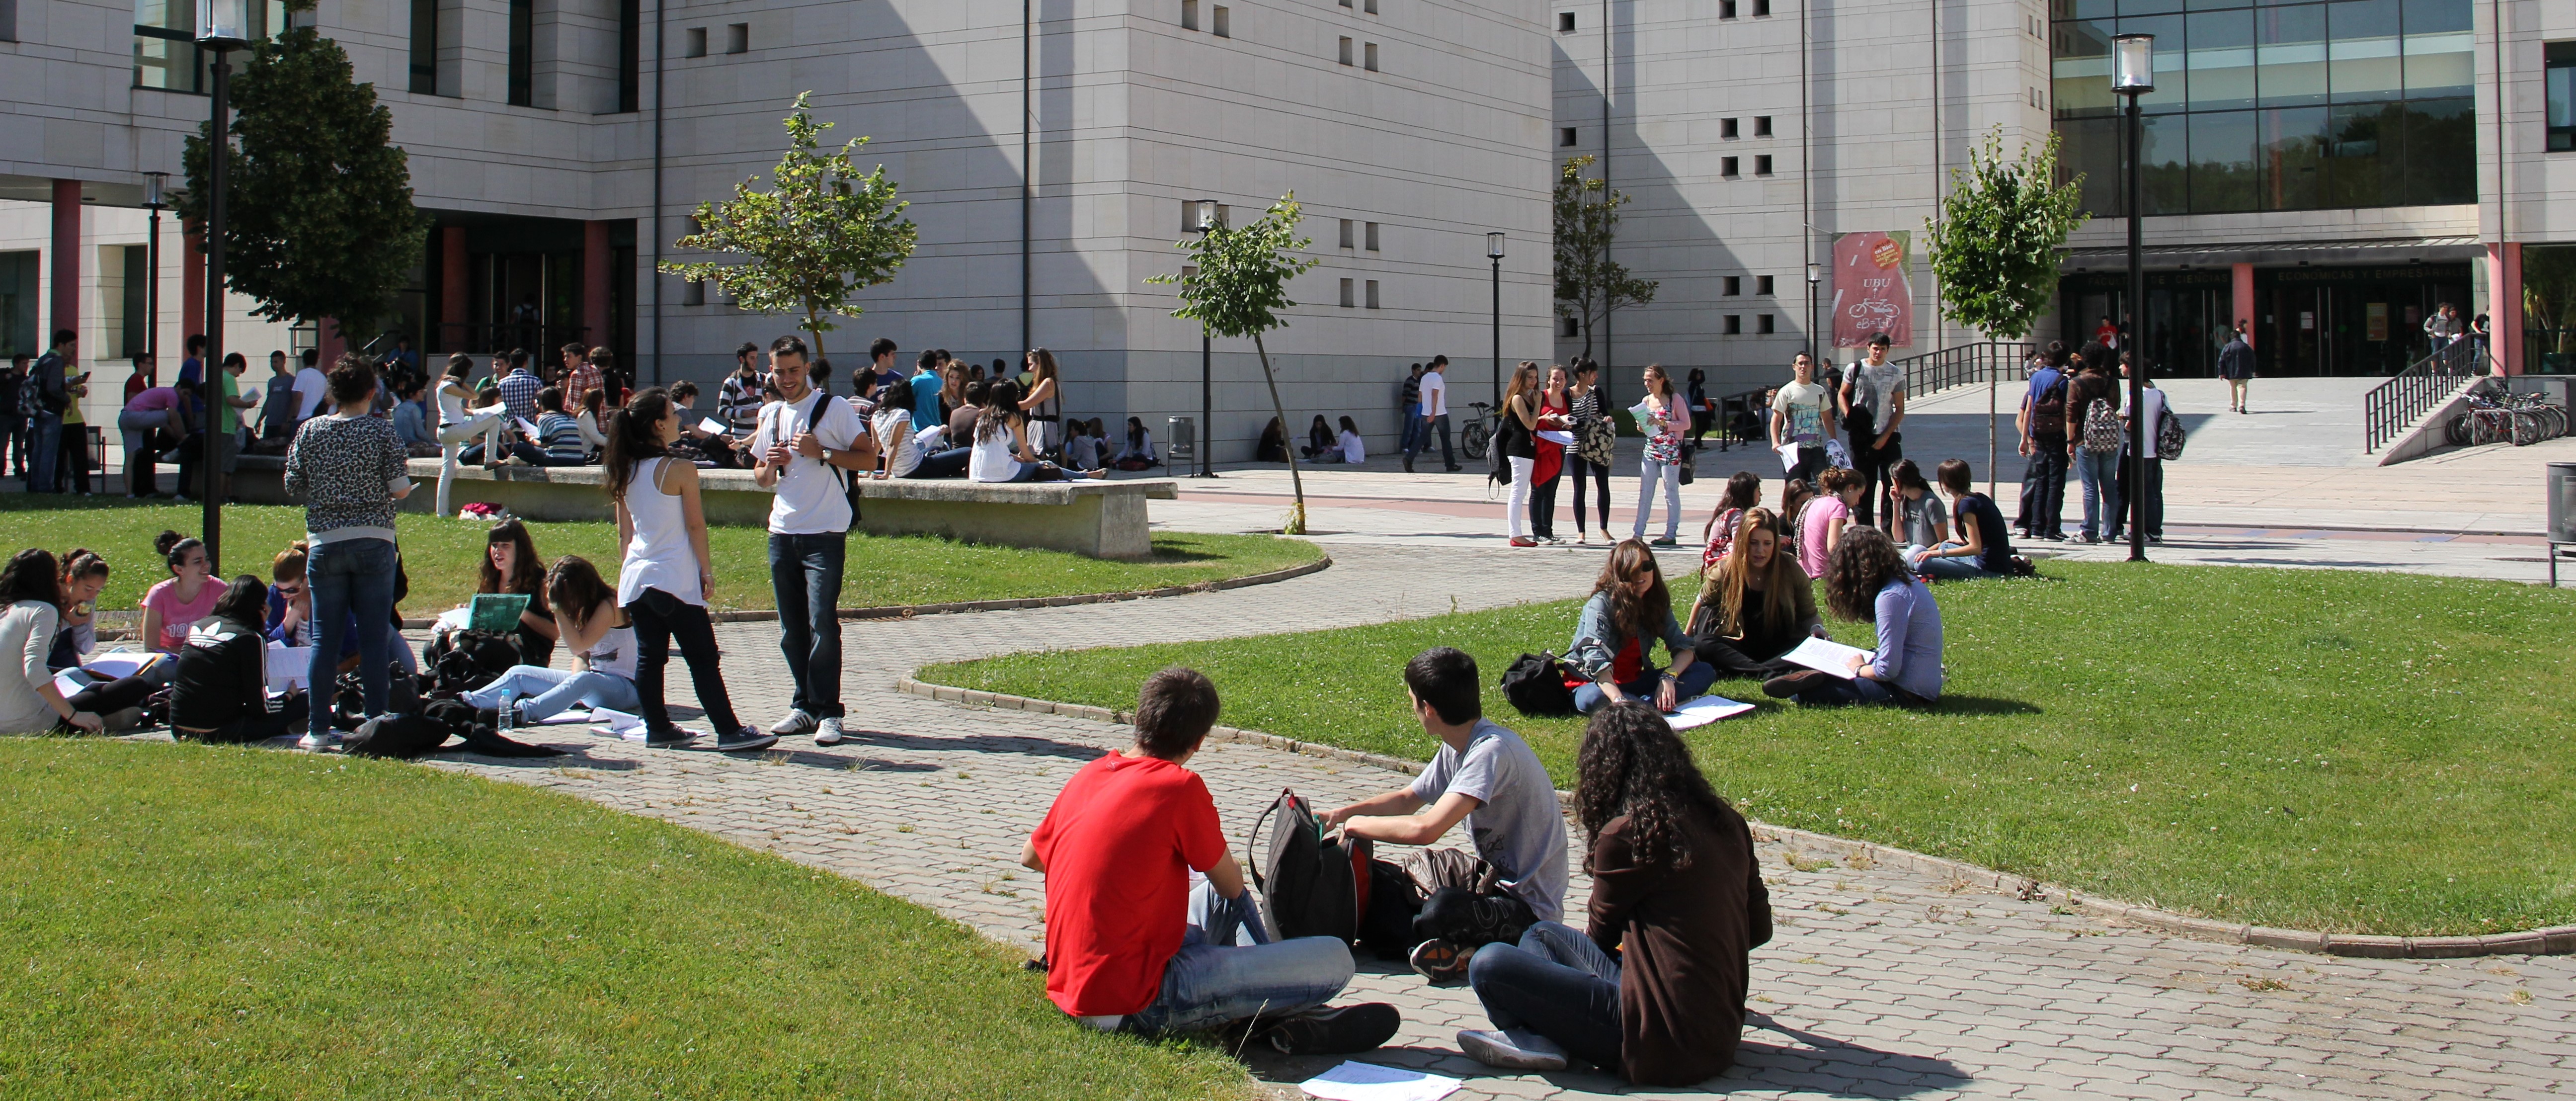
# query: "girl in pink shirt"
{"points": [[1820, 526], [172, 606]]}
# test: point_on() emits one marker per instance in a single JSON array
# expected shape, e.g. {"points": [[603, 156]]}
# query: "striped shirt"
{"points": [[562, 436]]}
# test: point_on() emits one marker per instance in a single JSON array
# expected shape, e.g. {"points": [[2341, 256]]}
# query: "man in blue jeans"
{"points": [[45, 424], [810, 445], [349, 468], [1410, 399], [1132, 946]]}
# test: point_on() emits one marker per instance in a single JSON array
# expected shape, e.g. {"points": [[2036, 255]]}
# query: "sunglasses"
{"points": [[290, 590]]}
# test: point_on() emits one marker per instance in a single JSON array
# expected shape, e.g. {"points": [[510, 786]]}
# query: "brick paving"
{"points": [[1879, 983]]}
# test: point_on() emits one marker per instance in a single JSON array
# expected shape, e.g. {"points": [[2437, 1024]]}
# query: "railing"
{"points": [[1962, 365], [2395, 405], [486, 337]]}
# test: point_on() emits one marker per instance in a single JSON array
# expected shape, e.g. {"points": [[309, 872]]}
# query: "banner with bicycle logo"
{"points": [[1872, 293]]}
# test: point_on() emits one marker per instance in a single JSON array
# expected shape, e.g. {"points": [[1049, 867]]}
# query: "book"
{"points": [[497, 612], [1825, 656]]}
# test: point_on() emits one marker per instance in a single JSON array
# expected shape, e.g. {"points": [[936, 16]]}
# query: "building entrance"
{"points": [[2307, 321]]}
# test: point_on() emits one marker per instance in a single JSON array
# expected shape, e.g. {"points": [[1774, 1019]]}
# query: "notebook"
{"points": [[498, 612]]}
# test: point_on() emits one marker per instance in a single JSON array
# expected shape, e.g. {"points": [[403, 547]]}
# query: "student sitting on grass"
{"points": [[190, 593], [1488, 777], [1131, 946], [1629, 612], [1983, 548], [1824, 520], [84, 574], [510, 566], [30, 611], [220, 691], [1755, 605], [1867, 581], [1655, 991], [601, 639]]}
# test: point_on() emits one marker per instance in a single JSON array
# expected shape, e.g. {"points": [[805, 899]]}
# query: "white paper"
{"points": [[1788, 456], [712, 426], [1370, 1082], [120, 664], [69, 682], [1703, 710], [1561, 439], [1825, 655], [567, 718], [529, 427], [289, 666], [613, 722], [453, 619]]}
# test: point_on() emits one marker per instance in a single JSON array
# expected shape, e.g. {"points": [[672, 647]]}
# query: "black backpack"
{"points": [[1311, 885], [461, 661], [1535, 684]]}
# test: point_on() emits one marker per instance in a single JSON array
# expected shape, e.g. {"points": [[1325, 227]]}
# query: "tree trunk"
{"points": [[814, 328], [1296, 524], [1991, 452]]}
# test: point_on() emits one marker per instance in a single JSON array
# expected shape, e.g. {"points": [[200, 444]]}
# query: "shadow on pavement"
{"points": [[979, 743]]}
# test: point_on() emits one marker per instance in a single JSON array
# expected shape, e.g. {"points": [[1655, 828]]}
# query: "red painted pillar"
{"points": [[67, 265], [331, 341], [2504, 305], [453, 287], [2243, 298], [192, 289], [594, 284]]}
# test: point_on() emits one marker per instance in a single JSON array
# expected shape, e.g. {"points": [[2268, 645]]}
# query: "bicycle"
{"points": [[1480, 429]]}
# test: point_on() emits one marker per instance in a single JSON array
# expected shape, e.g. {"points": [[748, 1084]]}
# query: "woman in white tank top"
{"points": [[664, 581], [458, 424], [596, 630]]}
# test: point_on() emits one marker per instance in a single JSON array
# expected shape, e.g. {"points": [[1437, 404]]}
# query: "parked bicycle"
{"points": [[2523, 419], [1480, 429]]}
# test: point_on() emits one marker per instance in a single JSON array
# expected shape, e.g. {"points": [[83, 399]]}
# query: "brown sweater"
{"points": [[1685, 937]]}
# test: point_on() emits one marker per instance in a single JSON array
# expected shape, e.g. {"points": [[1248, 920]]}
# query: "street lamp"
{"points": [[2133, 74], [222, 26], [1494, 252], [1815, 274], [1203, 222], [154, 184]]}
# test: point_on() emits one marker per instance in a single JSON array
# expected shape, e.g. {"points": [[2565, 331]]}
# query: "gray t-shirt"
{"points": [[1923, 517], [1518, 828]]}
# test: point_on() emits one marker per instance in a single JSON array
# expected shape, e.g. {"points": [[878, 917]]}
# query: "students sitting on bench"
{"points": [[1131, 946]]}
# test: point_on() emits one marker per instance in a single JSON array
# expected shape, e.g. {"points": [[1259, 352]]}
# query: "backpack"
{"points": [[2101, 428], [464, 660], [2169, 434], [1535, 684], [2049, 411], [853, 487], [1311, 885]]}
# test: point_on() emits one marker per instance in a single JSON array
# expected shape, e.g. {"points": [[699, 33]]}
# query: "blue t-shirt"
{"points": [[1994, 551], [2042, 381], [925, 400]]}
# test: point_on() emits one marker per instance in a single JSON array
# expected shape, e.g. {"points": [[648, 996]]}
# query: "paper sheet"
{"points": [[529, 428], [121, 664], [712, 427], [1825, 655], [1788, 457], [1370, 1082], [1561, 439], [1703, 710], [69, 682], [289, 665], [612, 723]]}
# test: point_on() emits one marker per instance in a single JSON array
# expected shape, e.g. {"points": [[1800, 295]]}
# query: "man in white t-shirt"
{"points": [[1435, 415], [2142, 482], [1801, 413], [311, 386], [810, 444]]}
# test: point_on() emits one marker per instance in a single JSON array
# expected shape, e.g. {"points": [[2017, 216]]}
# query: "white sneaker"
{"points": [[830, 734], [1511, 1049], [318, 743], [796, 722]]}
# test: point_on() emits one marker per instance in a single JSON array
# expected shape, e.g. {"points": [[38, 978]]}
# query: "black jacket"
{"points": [[222, 676]]}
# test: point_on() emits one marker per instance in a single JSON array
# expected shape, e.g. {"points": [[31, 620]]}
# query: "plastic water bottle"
{"points": [[509, 709]]}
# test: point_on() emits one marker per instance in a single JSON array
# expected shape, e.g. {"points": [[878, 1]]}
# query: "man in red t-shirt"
{"points": [[1131, 945]]}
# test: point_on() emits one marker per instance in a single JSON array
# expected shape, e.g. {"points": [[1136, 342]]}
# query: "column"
{"points": [[453, 287], [330, 341], [192, 291], [594, 286], [67, 266], [2243, 299], [2504, 263]]}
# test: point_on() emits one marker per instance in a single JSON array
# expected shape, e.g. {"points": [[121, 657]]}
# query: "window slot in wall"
{"points": [[1372, 237], [1761, 126], [1734, 285], [1222, 20], [1734, 325], [693, 293], [1761, 7], [737, 38], [522, 71], [1348, 299], [1762, 165], [1372, 294], [1189, 15], [1368, 57], [1727, 128], [1369, 6], [1565, 22], [424, 47], [1726, 167], [1762, 284], [693, 42], [1726, 9], [1567, 327], [1350, 231], [1346, 50], [1565, 136], [1762, 324]]}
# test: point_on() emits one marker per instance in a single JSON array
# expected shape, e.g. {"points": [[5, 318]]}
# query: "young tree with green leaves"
{"points": [[818, 236], [1994, 245], [318, 217], [1239, 288], [1590, 286]]}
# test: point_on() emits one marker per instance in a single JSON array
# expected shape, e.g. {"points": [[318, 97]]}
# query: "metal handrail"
{"points": [[1963, 365], [2395, 405]]}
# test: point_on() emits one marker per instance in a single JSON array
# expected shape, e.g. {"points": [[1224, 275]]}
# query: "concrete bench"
{"points": [[1102, 519]]}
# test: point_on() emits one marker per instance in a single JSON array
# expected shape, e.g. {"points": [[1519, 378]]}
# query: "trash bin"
{"points": [[2562, 502], [1181, 440]]}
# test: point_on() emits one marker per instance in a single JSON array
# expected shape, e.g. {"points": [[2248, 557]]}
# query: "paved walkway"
{"points": [[1879, 984]]}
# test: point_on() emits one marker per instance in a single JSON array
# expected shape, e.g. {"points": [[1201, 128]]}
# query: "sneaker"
{"points": [[319, 743], [1408, 464], [673, 738], [745, 740], [1340, 1030], [1523, 541], [1511, 1049], [830, 732], [1666, 541], [1790, 684], [1439, 961], [2157, 540], [796, 722]]}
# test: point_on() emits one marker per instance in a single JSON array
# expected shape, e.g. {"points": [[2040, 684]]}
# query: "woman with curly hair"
{"points": [[1867, 581], [1629, 611], [1655, 991]]}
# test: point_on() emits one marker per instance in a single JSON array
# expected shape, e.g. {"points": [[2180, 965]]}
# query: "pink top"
{"points": [[1811, 532], [153, 399], [176, 617]]}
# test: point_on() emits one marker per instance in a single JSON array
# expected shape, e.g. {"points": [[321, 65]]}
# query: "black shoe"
{"points": [[1790, 684], [1439, 960], [1340, 1030]]}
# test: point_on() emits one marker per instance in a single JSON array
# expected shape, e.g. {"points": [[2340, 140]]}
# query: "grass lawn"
{"points": [[184, 921], [441, 556], [2321, 749]]}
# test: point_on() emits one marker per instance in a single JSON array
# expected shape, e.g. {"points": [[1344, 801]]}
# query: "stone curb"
{"points": [[2557, 940]]}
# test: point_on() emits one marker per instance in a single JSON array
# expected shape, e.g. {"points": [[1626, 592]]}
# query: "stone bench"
{"points": [[1102, 519]]}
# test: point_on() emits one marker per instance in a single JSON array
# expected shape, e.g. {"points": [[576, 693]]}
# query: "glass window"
{"points": [[2364, 159], [2293, 140], [2164, 151], [2362, 53], [2441, 57], [2290, 48], [2171, 93], [165, 49], [2081, 68], [2441, 151], [2222, 161], [2221, 60], [2130, 8], [2062, 10], [2560, 80], [2090, 148]]}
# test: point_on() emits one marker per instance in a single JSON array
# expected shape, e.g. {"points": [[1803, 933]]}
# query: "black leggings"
{"points": [[112, 696], [1576, 469], [287, 719], [1542, 506], [1721, 655], [660, 618]]}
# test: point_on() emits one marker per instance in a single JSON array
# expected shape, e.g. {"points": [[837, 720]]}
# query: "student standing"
{"points": [[1868, 581], [667, 573], [738, 398], [1655, 991], [1435, 415], [312, 387], [519, 388], [1660, 416], [1041, 390], [2093, 424], [582, 372], [2041, 422], [1596, 442], [1555, 414], [811, 445], [48, 396], [350, 469], [2146, 476], [1409, 418], [1802, 413], [13, 424], [1873, 408], [2236, 365], [1519, 420]]}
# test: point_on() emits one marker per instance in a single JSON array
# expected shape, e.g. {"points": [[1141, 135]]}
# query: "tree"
{"points": [[1239, 288], [1590, 286], [1994, 245], [318, 217], [821, 234]]}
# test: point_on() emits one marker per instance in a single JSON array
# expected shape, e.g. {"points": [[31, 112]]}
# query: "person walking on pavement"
{"points": [[810, 444], [1435, 415], [1873, 408], [2236, 365]]}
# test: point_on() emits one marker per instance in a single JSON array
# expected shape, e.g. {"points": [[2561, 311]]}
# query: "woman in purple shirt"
{"points": [[1866, 580]]}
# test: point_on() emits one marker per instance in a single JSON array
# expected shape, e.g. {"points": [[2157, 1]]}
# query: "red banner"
{"points": [[1871, 292]]}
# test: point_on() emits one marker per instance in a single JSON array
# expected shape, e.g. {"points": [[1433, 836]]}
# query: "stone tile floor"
{"points": [[1878, 984]]}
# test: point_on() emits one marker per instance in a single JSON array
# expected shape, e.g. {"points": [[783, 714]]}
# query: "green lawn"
{"points": [[184, 921], [441, 556], [2328, 749]]}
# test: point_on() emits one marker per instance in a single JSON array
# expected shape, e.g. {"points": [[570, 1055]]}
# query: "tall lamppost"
{"points": [[1815, 347], [154, 184], [1203, 222], [222, 26], [1494, 252], [2133, 74]]}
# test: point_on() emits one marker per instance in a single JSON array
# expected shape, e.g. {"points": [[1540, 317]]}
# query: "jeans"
{"points": [[532, 455], [1648, 472], [805, 576], [74, 457], [1412, 427], [1226, 972], [350, 577], [544, 693], [1542, 505], [1872, 465], [2152, 489], [452, 445], [1811, 462], [659, 619], [1726, 658], [1422, 440], [1693, 681], [950, 463], [2100, 475], [1556, 983], [1957, 567], [1599, 474], [2047, 481], [1516, 513], [44, 451]]}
